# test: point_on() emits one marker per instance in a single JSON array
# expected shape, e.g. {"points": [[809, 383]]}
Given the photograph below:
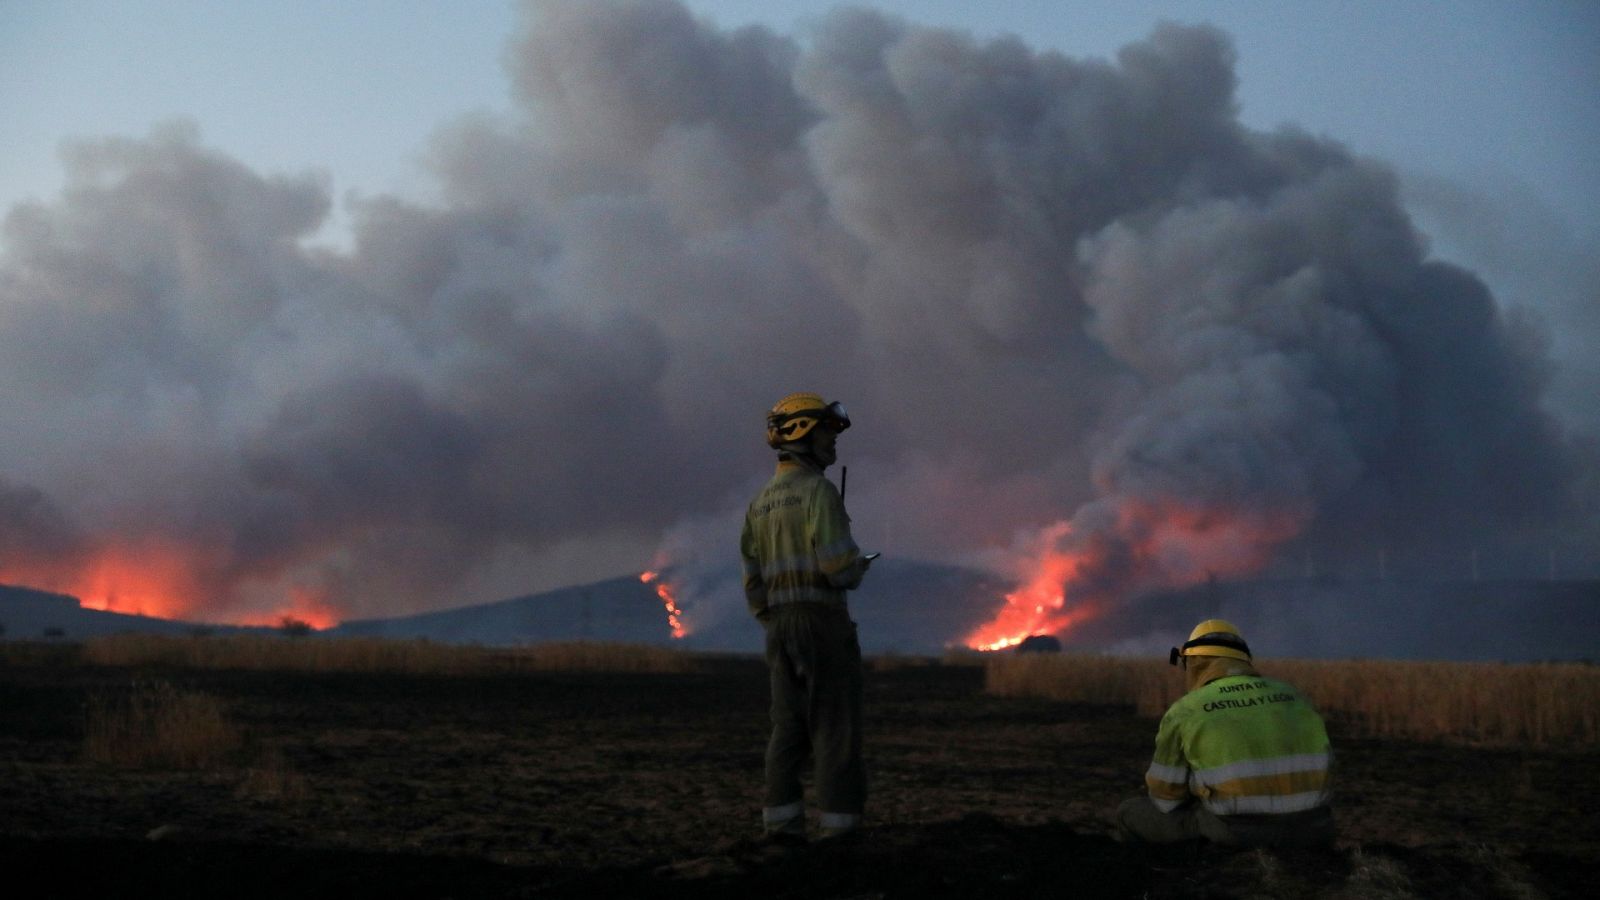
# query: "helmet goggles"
{"points": [[832, 416], [1218, 639]]}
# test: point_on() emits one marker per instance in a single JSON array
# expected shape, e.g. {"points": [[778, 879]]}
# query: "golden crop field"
{"points": [[1543, 705]]}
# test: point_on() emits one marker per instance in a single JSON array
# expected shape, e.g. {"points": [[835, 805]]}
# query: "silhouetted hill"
{"points": [[920, 608], [618, 609], [28, 614], [905, 607]]}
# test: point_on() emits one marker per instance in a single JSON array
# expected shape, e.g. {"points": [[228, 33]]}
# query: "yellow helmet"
{"points": [[793, 417], [1213, 637]]}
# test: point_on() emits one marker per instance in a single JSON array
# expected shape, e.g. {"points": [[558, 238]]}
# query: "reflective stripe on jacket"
{"points": [[1242, 744], [796, 542]]}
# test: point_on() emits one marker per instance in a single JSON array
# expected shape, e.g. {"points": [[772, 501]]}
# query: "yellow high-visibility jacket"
{"points": [[1242, 745], [796, 542]]}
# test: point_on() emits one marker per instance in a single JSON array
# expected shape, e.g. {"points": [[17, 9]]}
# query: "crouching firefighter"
{"points": [[799, 560], [1240, 759]]}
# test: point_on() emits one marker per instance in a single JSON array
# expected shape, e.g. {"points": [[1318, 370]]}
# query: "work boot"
{"points": [[784, 839], [841, 828], [784, 826], [790, 836]]}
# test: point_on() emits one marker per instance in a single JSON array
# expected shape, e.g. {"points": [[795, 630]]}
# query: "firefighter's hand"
{"points": [[863, 563]]}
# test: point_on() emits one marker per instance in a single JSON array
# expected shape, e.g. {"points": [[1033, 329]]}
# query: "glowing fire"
{"points": [[149, 580], [669, 600], [1038, 606], [157, 579], [308, 606], [1069, 577]]}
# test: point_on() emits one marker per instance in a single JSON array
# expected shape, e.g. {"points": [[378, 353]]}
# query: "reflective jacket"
{"points": [[796, 542], [1243, 745]]}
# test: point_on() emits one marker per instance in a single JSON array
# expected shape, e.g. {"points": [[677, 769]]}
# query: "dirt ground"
{"points": [[647, 785]]}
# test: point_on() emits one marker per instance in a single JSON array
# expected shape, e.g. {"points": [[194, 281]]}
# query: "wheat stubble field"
{"points": [[200, 767]]}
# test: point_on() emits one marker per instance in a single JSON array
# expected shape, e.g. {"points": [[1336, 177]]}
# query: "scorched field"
{"points": [[432, 772]]}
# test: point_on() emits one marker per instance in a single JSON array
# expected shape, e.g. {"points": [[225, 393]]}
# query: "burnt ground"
{"points": [[357, 785]]}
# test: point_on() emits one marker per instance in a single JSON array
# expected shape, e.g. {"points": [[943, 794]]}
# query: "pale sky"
{"points": [[1502, 95]]}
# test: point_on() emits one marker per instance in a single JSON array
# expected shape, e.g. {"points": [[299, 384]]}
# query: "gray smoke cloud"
{"points": [[1048, 288], [1537, 263]]}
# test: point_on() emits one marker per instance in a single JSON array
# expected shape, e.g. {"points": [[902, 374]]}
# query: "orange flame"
{"points": [[151, 579], [669, 600], [1070, 577], [156, 578], [305, 605], [1038, 606]]}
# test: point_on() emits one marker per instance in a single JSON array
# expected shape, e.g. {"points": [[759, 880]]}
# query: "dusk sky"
{"points": [[370, 164], [1503, 98]]}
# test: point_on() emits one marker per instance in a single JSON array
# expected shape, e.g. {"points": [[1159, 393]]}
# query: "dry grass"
{"points": [[1084, 679], [892, 662], [1377, 878], [961, 656], [314, 654], [1538, 705], [158, 725], [587, 656], [271, 780], [37, 653]]}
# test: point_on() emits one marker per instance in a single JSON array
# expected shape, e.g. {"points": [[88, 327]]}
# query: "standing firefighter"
{"points": [[1240, 759], [799, 560]]}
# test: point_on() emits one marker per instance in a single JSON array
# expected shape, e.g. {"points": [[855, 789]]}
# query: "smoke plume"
{"points": [[1051, 290]]}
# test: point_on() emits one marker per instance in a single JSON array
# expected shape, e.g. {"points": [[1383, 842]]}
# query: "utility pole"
{"points": [[1383, 565]]}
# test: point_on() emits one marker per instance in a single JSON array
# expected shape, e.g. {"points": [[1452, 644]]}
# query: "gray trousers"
{"points": [[1139, 820], [814, 665]]}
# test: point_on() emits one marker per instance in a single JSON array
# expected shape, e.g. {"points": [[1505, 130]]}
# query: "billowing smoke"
{"points": [[1050, 290]]}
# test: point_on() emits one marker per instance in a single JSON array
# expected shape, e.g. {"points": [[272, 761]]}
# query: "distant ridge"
{"points": [[921, 608], [29, 614], [617, 609], [905, 607]]}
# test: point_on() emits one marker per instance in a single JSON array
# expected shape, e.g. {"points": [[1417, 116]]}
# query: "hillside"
{"points": [[28, 614], [906, 607], [918, 608]]}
